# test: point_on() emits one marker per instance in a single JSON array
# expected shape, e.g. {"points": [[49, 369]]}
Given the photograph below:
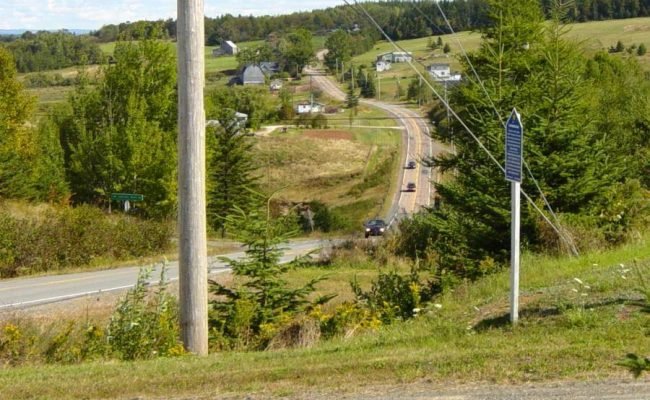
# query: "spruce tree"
{"points": [[231, 171]]}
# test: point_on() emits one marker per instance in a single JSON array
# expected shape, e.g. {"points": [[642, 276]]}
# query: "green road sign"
{"points": [[126, 196]]}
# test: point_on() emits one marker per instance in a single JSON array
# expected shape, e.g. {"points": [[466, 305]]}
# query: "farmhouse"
{"points": [[227, 48], [395, 57], [442, 73], [306, 107], [382, 66]]}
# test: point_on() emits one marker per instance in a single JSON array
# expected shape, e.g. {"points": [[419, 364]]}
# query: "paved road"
{"points": [[417, 146], [32, 291]]}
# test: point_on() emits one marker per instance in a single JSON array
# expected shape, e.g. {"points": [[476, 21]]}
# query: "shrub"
{"points": [[15, 345], [393, 296], [72, 237], [145, 326]]}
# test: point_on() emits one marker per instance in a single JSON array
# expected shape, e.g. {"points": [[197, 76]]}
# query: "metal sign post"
{"points": [[514, 157]]}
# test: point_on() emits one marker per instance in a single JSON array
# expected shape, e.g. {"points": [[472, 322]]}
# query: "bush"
{"points": [[73, 237], [145, 326], [395, 297]]}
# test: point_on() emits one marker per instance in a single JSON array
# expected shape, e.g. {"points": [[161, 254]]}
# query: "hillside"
{"points": [[580, 316]]}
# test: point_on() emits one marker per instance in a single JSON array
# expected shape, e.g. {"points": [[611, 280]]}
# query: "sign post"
{"points": [[514, 157]]}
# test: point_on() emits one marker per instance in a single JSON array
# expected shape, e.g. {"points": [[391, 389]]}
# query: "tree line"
{"points": [[401, 20], [43, 50]]}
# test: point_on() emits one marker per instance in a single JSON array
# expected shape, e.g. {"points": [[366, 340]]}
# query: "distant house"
{"points": [[270, 67], [395, 57], [442, 73], [382, 66], [251, 75], [227, 48], [307, 107]]}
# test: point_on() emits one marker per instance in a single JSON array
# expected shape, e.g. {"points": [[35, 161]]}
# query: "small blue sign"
{"points": [[514, 147]]}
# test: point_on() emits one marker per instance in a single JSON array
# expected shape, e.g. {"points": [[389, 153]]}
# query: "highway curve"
{"points": [[417, 145]]}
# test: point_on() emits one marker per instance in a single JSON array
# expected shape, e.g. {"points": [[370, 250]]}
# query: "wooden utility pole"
{"points": [[193, 260]]}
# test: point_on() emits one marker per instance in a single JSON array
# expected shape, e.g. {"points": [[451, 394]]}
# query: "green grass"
{"points": [[560, 336], [592, 37]]}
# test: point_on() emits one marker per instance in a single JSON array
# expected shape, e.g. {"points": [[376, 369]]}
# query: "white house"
{"points": [[306, 107], [382, 66], [442, 73], [395, 57]]}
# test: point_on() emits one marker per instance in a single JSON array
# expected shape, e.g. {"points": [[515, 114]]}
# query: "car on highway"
{"points": [[411, 165], [375, 227], [410, 187]]}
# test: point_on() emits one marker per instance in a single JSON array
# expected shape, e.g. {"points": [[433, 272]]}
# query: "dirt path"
{"points": [[615, 389]]}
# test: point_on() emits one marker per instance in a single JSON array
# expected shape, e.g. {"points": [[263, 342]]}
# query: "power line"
{"points": [[460, 120], [501, 119]]}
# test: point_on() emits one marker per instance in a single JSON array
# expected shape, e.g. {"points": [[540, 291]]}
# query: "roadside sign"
{"points": [[514, 147], [127, 197], [514, 158]]}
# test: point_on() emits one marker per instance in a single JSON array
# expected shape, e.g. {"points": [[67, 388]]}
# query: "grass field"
{"points": [[592, 37], [562, 335], [348, 167]]}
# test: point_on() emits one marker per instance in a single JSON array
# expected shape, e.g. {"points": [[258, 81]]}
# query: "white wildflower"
{"points": [[438, 306], [578, 280]]}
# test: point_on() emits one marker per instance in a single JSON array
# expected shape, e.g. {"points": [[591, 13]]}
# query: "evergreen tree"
{"points": [[246, 316], [231, 171], [567, 145], [368, 90], [641, 50], [446, 49], [351, 99]]}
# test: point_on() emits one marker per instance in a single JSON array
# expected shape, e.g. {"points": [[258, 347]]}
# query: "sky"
{"points": [[92, 14]]}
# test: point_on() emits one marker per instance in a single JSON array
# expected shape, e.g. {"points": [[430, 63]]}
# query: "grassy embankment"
{"points": [[351, 169], [563, 335]]}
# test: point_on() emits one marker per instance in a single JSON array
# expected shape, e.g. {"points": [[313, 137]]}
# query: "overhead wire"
{"points": [[460, 120], [498, 114]]}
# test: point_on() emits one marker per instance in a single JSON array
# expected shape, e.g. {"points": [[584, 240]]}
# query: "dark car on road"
{"points": [[410, 187], [411, 165], [375, 227]]}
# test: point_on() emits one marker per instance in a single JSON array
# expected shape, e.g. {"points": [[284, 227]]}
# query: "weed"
{"points": [[144, 327]]}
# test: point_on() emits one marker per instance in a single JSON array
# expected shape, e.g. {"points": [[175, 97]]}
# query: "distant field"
{"points": [[594, 36]]}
